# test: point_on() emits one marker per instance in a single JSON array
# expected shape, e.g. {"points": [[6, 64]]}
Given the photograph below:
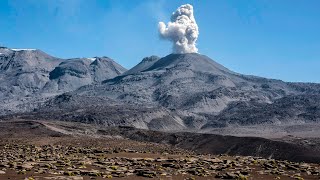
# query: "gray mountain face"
{"points": [[176, 92], [143, 65], [29, 77], [186, 92], [24, 72], [74, 73]]}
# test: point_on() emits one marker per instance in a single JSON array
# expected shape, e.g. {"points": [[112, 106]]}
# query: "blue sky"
{"points": [[270, 38]]}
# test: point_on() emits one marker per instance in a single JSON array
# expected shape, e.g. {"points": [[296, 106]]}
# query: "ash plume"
{"points": [[182, 30]]}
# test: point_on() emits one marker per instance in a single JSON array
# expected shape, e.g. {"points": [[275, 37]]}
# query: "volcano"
{"points": [[187, 92]]}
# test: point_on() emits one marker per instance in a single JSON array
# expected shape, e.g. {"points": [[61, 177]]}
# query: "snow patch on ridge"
{"points": [[92, 59], [23, 49]]}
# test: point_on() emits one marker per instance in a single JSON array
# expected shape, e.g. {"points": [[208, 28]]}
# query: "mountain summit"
{"points": [[187, 92], [28, 76], [74, 73], [177, 92]]}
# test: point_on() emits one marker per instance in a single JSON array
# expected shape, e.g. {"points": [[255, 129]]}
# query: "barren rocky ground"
{"points": [[63, 150]]}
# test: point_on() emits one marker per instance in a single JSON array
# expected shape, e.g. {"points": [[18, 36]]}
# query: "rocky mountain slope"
{"points": [[30, 76], [186, 92], [24, 71], [74, 73]]}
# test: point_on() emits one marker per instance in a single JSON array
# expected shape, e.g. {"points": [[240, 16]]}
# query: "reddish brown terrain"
{"points": [[46, 150]]}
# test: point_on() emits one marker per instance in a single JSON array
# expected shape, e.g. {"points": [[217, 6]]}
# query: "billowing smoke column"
{"points": [[182, 30]]}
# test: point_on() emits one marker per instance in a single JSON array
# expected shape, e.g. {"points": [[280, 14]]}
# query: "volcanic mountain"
{"points": [[74, 73], [186, 92], [30, 76]]}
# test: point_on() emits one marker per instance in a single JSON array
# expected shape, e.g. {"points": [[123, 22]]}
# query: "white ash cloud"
{"points": [[182, 30]]}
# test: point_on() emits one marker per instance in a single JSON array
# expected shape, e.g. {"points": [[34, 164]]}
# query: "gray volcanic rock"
{"points": [[105, 68], [24, 71], [69, 75], [74, 73], [29, 77], [188, 82], [105, 111], [143, 65], [176, 92], [190, 92], [292, 109]]}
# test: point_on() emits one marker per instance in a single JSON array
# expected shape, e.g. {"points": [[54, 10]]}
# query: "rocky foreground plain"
{"points": [[136, 160], [31, 150], [78, 158]]}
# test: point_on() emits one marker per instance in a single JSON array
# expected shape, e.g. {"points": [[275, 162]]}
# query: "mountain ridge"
{"points": [[178, 92], [188, 92], [30, 76]]}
